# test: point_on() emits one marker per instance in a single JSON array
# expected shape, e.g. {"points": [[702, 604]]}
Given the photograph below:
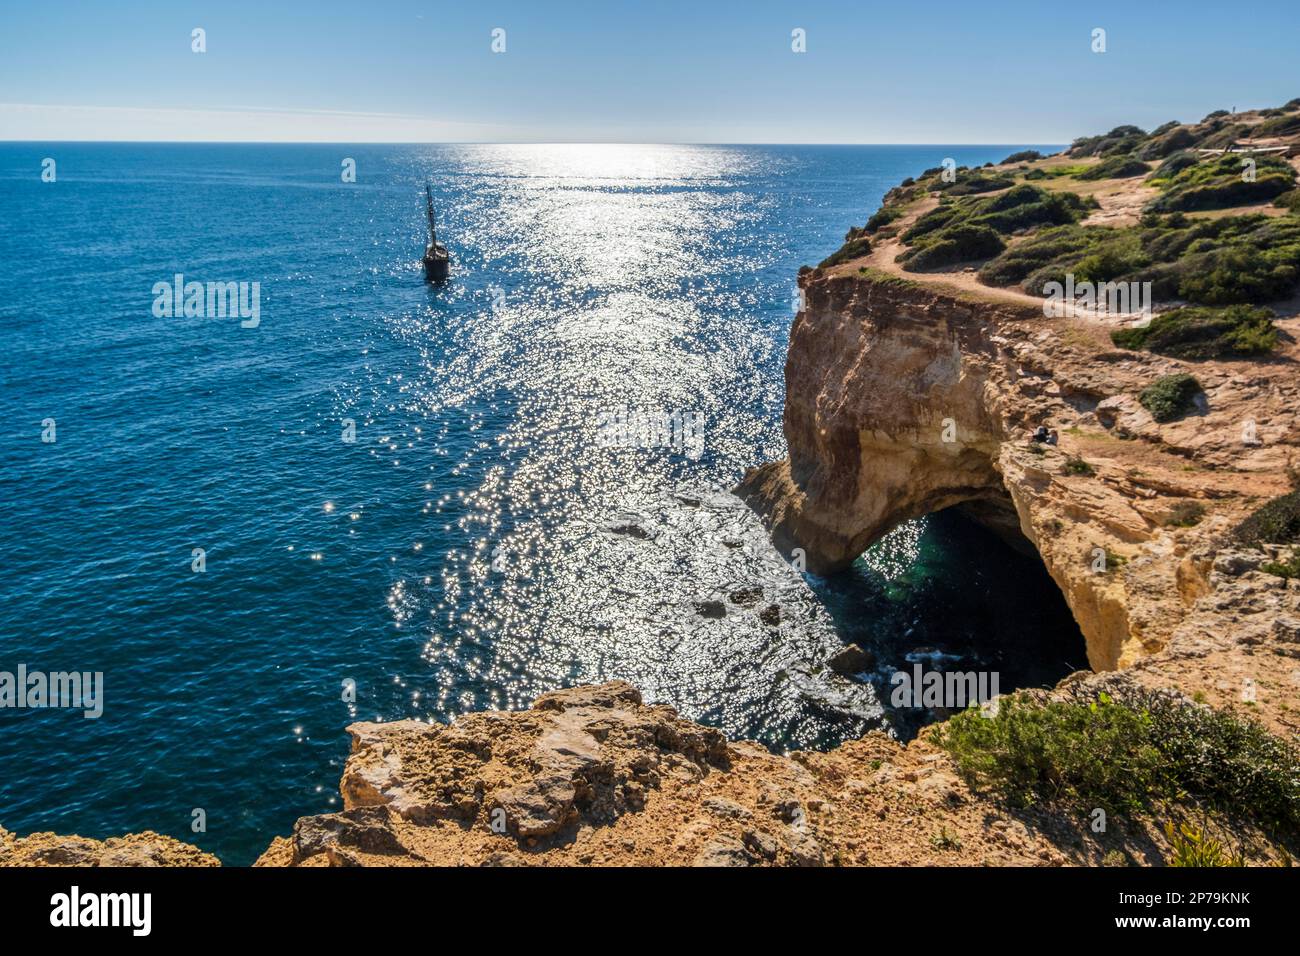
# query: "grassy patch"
{"points": [[1148, 749], [880, 276], [1203, 333], [1057, 172], [1170, 396], [1185, 514], [1077, 466]]}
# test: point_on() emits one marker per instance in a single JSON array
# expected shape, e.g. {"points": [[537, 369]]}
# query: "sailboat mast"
{"points": [[428, 198]]}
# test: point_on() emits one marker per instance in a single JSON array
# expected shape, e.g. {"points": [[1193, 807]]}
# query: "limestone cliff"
{"points": [[904, 397]]}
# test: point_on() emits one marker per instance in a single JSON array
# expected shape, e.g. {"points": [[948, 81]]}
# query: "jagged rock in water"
{"points": [[851, 660]]}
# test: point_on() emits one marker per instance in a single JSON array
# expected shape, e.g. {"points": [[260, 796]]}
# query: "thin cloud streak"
{"points": [[49, 123]]}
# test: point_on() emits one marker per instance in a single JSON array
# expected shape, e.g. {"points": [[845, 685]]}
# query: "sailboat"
{"points": [[437, 261]]}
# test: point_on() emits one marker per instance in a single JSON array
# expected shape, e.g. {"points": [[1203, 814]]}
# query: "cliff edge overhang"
{"points": [[904, 397]]}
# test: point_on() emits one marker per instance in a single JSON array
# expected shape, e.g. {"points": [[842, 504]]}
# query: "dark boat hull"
{"points": [[437, 268]]}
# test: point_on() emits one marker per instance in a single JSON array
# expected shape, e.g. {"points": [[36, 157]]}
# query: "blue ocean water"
{"points": [[477, 543]]}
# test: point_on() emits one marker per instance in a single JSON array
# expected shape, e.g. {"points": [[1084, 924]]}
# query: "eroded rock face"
{"points": [[134, 849], [593, 776], [866, 403], [580, 757], [904, 398]]}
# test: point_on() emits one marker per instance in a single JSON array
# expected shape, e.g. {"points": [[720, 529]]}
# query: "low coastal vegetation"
{"points": [[1201, 333], [1218, 227], [1077, 466], [970, 182], [857, 246], [1024, 156], [973, 228], [1219, 183], [1170, 396], [961, 242], [1230, 260], [1276, 522], [1287, 567], [1185, 514], [1190, 845], [1147, 751], [1114, 167], [1289, 201]]}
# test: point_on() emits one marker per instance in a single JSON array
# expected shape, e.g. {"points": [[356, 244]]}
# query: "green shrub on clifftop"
{"points": [[962, 243], [1115, 167], [883, 217], [1223, 261], [1289, 200], [1024, 156], [1148, 748], [1171, 396], [1203, 333], [1219, 183], [860, 246], [971, 182], [1288, 567]]}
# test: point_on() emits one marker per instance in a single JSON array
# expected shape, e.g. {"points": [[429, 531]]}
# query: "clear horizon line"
{"points": [[84, 123]]}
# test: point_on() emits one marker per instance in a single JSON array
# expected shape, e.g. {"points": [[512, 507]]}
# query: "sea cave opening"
{"points": [[957, 591]]}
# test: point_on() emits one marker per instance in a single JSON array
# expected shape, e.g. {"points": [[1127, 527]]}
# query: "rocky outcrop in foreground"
{"points": [[134, 849], [593, 776]]}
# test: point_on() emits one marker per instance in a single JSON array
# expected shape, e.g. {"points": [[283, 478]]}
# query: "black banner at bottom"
{"points": [[923, 905]]}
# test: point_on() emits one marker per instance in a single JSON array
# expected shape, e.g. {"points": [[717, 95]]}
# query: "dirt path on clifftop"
{"points": [[966, 280]]}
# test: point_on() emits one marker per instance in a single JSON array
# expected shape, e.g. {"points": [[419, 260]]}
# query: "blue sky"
{"points": [[622, 71]]}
